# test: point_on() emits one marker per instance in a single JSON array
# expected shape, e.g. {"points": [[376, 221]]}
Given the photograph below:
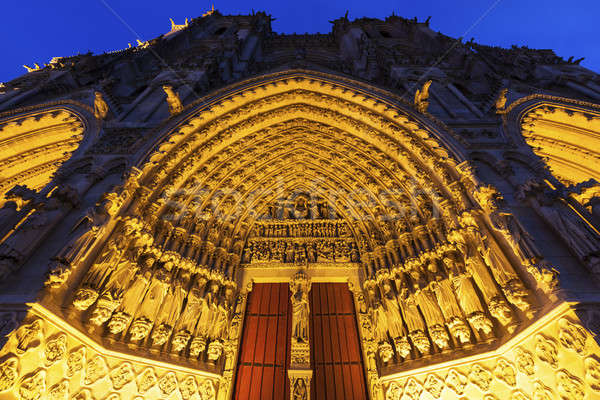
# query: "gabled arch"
{"points": [[36, 141]]}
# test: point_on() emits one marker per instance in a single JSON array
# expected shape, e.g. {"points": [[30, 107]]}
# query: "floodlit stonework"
{"points": [[225, 212]]}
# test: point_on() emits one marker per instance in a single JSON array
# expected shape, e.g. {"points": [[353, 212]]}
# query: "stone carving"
{"points": [[542, 392], [175, 105], [572, 336], [55, 349], [33, 387], [28, 336], [299, 288], [434, 385], [100, 106], [146, 380], [592, 373], [168, 383], [480, 377], [546, 350], [207, 390], [518, 395], [568, 386], [8, 373], [75, 361], [59, 391], [84, 394], [95, 369], [421, 97], [299, 391], [524, 360], [501, 101], [394, 391], [412, 389], [188, 387], [505, 372], [121, 375], [456, 381]]}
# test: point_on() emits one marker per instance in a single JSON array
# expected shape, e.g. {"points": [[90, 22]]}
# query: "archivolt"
{"points": [[376, 161], [36, 141]]}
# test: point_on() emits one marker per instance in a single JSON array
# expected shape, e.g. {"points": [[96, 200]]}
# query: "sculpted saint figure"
{"points": [[100, 106], [193, 308], [300, 308], [171, 307], [133, 294], [395, 326], [151, 303]]}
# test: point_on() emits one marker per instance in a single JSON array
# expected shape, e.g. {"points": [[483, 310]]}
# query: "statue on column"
{"points": [[300, 307], [133, 294]]}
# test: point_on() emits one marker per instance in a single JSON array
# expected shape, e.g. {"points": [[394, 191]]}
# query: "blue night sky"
{"points": [[37, 30]]}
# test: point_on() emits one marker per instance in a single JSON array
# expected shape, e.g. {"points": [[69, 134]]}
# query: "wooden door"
{"points": [[336, 356], [264, 353]]}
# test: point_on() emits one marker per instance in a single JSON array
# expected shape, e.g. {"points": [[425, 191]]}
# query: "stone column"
{"points": [[300, 373]]}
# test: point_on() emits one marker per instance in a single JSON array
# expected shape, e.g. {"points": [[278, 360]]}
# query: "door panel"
{"points": [[264, 353], [335, 347]]}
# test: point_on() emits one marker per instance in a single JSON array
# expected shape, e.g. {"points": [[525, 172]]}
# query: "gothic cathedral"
{"points": [[223, 212]]}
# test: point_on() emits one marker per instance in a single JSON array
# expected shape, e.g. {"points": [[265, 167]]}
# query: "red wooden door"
{"points": [[264, 354], [338, 372]]}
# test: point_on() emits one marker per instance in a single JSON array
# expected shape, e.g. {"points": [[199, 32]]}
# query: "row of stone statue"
{"points": [[140, 291], [150, 301], [316, 228], [463, 294], [301, 251]]}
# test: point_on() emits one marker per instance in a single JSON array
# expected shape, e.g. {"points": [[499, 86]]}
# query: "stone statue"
{"points": [[395, 325], [132, 295], [300, 307], [175, 105], [501, 100], [100, 106], [422, 96]]}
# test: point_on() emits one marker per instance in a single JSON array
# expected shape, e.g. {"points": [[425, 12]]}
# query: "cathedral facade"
{"points": [[380, 212]]}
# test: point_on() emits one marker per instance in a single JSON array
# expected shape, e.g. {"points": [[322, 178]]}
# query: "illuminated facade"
{"points": [[301, 217]]}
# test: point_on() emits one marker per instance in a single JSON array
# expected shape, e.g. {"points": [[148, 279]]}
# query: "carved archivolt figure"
{"points": [[300, 308]]}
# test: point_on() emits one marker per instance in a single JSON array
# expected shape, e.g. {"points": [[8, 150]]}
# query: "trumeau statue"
{"points": [[430, 234], [299, 288]]}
